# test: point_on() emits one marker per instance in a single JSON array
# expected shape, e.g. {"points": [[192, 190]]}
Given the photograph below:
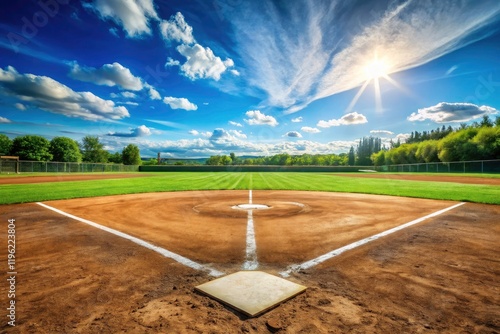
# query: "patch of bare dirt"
{"points": [[440, 276]]}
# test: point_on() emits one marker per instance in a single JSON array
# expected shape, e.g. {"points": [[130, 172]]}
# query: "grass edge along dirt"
{"points": [[186, 181]]}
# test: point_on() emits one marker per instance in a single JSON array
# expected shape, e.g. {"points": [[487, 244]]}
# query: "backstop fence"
{"points": [[8, 166], [481, 166]]}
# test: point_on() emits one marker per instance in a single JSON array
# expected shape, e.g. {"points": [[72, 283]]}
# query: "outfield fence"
{"points": [[7, 166], [481, 166]]}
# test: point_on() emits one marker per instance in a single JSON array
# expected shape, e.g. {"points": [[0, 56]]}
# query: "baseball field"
{"points": [[379, 252]]}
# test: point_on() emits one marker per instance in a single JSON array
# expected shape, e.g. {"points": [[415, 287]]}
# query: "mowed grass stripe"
{"points": [[181, 181]]}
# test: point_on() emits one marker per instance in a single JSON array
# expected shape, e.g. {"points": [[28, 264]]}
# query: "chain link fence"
{"points": [[482, 166], [7, 166]]}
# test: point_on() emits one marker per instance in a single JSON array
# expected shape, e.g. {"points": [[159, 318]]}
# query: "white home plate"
{"points": [[251, 292]]}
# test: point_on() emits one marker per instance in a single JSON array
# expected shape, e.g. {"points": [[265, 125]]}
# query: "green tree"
{"points": [[486, 122], [226, 160], [5, 145], [378, 158], [93, 150], [458, 146], [115, 158], [488, 142], [352, 157], [31, 147], [131, 155], [65, 149], [427, 151]]}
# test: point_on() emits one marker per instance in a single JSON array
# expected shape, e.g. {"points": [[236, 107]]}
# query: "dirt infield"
{"points": [[67, 177], [431, 178], [439, 276]]}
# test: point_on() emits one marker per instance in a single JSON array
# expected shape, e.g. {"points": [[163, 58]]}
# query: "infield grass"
{"points": [[182, 181]]}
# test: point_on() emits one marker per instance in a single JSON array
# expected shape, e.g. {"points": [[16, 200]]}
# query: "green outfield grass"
{"points": [[178, 181]]}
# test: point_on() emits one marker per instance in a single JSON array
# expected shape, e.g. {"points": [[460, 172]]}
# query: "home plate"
{"points": [[251, 292]]}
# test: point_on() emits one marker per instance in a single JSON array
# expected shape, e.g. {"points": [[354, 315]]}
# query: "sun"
{"points": [[376, 68]]}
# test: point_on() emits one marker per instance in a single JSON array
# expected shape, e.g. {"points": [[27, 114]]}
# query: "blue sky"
{"points": [[199, 78]]}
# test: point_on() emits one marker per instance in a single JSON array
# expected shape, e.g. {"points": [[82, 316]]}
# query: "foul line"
{"points": [[176, 257], [338, 251], [251, 262]]}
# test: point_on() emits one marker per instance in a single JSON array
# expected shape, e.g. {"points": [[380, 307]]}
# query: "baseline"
{"points": [[338, 251], [176, 257]]}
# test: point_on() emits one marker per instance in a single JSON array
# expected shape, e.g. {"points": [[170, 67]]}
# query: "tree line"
{"points": [[64, 149], [479, 141]]}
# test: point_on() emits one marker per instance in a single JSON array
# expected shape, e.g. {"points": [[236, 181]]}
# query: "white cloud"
{"points": [[238, 134], [235, 72], [171, 62], [312, 58], [201, 63], [308, 129], [176, 29], [235, 124], [255, 117], [153, 93], [50, 95], [179, 103], [223, 142], [4, 120], [20, 106], [381, 132], [132, 15], [194, 132], [451, 112], [293, 134], [109, 75], [347, 119], [298, 119], [140, 131], [129, 95]]}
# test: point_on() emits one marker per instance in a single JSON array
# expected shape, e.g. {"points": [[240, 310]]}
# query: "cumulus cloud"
{"points": [[255, 117], [132, 15], [129, 95], [238, 134], [194, 132], [50, 95], [179, 103], [347, 119], [201, 63], [293, 134], [153, 93], [109, 75], [451, 112], [4, 120], [381, 133], [222, 142], [297, 120], [309, 129], [20, 106], [235, 124], [176, 29], [141, 131]]}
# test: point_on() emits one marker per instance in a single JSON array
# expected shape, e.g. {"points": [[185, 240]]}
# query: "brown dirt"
{"points": [[433, 178], [67, 177], [440, 276]]}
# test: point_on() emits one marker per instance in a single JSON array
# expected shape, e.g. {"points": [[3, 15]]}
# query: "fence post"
{"points": [[482, 167]]}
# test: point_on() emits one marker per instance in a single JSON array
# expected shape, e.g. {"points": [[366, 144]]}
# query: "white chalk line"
{"points": [[176, 257], [338, 251], [251, 262]]}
